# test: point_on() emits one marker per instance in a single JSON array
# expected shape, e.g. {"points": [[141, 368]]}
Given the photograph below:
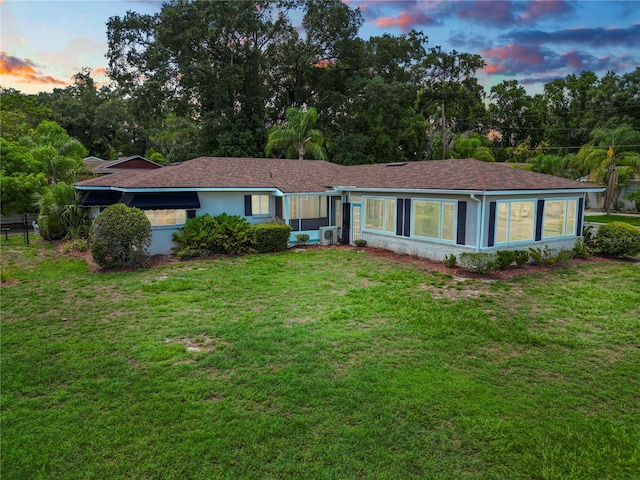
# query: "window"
{"points": [[259, 205], [308, 207], [434, 219], [159, 218], [559, 218], [380, 214], [515, 221]]}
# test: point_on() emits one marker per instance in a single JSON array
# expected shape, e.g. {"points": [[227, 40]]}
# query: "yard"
{"points": [[326, 363]]}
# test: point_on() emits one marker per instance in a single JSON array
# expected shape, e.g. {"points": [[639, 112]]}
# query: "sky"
{"points": [[44, 43]]}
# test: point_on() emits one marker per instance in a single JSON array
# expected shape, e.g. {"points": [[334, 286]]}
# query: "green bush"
{"points": [[479, 262], [75, 245], [522, 257], [618, 239], [120, 237], [581, 249], [195, 238], [270, 237], [450, 261], [51, 227], [302, 238], [504, 258], [203, 235], [360, 243]]}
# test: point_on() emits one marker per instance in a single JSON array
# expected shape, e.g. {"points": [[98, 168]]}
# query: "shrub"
{"points": [[581, 249], [479, 262], [504, 258], [270, 237], [76, 245], [50, 227], [194, 239], [618, 239], [203, 235], [450, 261], [522, 257], [302, 238], [539, 256], [120, 237], [360, 243]]}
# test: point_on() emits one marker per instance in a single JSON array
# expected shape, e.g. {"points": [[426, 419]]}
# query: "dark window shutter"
{"points": [[399, 215], [462, 223], [492, 224], [580, 213], [279, 201], [539, 215], [247, 206], [407, 218], [346, 222], [191, 214]]}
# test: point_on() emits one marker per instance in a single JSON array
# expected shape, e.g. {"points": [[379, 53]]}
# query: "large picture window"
{"points": [[559, 218], [515, 221], [380, 214], [159, 218], [434, 219]]}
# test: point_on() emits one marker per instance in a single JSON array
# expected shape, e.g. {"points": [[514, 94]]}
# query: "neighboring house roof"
{"points": [[93, 162], [134, 162], [299, 176]]}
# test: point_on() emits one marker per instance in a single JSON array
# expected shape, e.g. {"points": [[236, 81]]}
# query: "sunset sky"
{"points": [[44, 43]]}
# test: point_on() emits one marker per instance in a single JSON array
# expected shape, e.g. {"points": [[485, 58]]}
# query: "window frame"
{"points": [[178, 220], [440, 202], [385, 220], [564, 233], [262, 202], [510, 203]]}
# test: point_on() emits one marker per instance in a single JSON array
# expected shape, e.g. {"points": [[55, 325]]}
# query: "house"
{"points": [[427, 208]]}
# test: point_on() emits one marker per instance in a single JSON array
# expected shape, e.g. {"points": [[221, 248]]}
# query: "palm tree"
{"points": [[297, 136], [607, 150]]}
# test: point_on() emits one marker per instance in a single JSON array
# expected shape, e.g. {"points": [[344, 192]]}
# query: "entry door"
{"points": [[356, 226]]}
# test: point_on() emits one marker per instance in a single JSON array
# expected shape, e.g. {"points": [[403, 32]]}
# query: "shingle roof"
{"points": [[291, 176]]}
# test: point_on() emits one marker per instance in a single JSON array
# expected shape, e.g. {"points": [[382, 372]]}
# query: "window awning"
{"points": [[100, 198], [161, 201]]}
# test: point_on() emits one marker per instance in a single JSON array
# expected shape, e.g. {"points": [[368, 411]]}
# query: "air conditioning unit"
{"points": [[328, 235]]}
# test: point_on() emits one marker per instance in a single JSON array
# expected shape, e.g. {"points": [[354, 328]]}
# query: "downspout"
{"points": [[479, 223]]}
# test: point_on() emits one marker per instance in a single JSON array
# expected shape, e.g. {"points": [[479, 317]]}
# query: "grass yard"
{"points": [[632, 219], [321, 364]]}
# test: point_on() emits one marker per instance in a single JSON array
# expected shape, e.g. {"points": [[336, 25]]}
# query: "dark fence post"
{"points": [[26, 229]]}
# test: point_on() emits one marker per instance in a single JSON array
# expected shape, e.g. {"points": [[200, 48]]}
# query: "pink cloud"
{"points": [[25, 70], [518, 53], [405, 20]]}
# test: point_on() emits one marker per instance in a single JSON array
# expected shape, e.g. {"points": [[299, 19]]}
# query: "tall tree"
{"points": [[204, 60], [298, 137]]}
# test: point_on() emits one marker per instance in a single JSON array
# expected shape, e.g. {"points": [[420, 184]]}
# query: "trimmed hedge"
{"points": [[270, 237], [618, 239]]}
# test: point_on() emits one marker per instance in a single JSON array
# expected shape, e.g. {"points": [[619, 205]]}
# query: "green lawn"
{"points": [[321, 364], [633, 220]]}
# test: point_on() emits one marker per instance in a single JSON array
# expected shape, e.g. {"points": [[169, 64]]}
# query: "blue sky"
{"points": [[44, 43]]}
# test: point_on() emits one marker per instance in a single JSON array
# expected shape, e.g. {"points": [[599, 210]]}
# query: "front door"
{"points": [[356, 227]]}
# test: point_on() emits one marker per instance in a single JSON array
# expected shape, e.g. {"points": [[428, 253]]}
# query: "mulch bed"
{"points": [[457, 271]]}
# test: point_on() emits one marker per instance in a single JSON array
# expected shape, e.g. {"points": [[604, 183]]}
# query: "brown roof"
{"points": [[454, 174], [291, 176]]}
